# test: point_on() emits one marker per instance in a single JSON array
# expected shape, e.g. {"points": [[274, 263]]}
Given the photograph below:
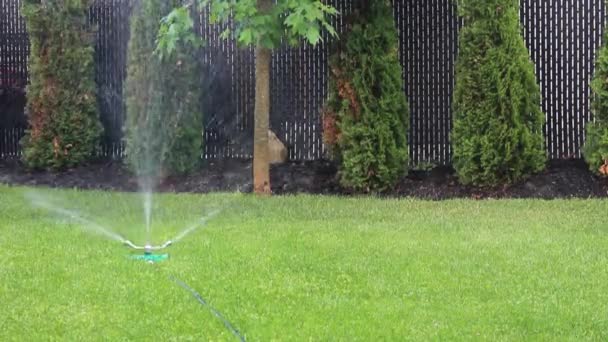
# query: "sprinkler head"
{"points": [[148, 249]]}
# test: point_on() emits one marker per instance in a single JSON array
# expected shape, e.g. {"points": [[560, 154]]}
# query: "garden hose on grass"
{"points": [[151, 258], [203, 302]]}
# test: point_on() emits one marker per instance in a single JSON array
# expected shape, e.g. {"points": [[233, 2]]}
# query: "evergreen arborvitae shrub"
{"points": [[61, 98], [164, 122], [498, 122], [366, 116], [595, 150]]}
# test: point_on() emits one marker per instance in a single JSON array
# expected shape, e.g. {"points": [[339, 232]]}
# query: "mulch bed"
{"points": [[562, 179]]}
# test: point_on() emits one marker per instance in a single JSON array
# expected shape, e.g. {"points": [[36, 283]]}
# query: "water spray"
{"points": [[149, 249]]}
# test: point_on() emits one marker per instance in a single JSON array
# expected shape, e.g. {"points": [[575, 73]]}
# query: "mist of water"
{"points": [[87, 224], [195, 226], [147, 169], [147, 194]]}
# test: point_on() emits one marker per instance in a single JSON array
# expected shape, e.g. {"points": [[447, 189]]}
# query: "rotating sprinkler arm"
{"points": [[131, 244], [166, 244], [148, 247]]}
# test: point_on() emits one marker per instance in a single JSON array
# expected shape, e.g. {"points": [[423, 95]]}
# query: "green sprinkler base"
{"points": [[151, 258]]}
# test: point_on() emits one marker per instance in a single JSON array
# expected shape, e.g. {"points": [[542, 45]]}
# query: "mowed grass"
{"points": [[305, 268]]}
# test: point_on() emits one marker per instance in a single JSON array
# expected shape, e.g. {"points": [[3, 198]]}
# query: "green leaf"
{"points": [[291, 20], [313, 35], [246, 36]]}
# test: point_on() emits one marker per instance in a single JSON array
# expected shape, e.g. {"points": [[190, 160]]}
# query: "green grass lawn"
{"points": [[306, 268]]}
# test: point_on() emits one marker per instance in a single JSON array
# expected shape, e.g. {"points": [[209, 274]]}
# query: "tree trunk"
{"points": [[261, 165], [261, 162]]}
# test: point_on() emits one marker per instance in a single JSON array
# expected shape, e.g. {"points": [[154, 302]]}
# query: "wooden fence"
{"points": [[562, 36]]}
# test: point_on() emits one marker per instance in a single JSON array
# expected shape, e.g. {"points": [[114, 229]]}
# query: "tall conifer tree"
{"points": [[62, 104], [596, 147], [366, 117], [498, 122], [164, 123]]}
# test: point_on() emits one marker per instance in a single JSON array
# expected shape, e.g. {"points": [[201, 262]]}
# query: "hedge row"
{"points": [[497, 136], [164, 120]]}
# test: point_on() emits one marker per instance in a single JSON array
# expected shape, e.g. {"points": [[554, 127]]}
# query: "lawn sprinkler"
{"points": [[149, 249]]}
